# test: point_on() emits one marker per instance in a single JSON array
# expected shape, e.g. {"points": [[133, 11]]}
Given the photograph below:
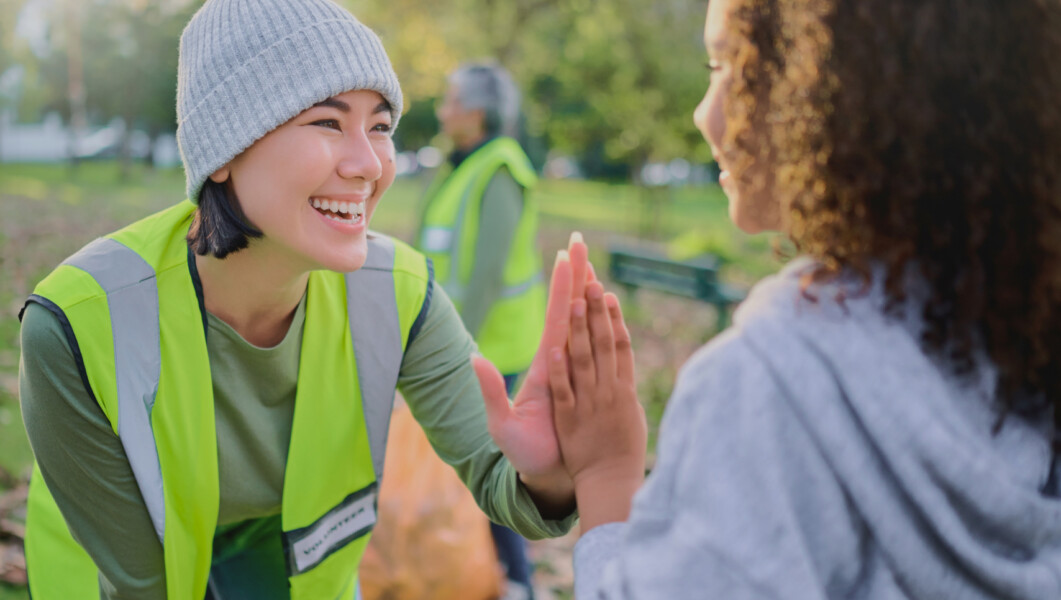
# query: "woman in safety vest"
{"points": [[207, 391]]}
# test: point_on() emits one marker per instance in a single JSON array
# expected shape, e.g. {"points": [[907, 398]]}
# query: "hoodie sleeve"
{"points": [[740, 504]]}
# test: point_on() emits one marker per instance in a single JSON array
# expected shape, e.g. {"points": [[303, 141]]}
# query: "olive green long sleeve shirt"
{"points": [[254, 393]]}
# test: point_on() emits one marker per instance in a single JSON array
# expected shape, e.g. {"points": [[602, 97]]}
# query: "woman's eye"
{"points": [[329, 123], [382, 127]]}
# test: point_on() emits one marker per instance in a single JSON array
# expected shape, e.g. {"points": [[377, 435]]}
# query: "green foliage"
{"points": [[13, 593], [127, 52], [611, 82], [622, 73], [418, 125]]}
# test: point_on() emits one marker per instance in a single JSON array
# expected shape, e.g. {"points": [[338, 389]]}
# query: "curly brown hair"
{"points": [[926, 135]]}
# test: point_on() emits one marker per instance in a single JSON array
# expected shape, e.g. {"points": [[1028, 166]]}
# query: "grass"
{"points": [[49, 211]]}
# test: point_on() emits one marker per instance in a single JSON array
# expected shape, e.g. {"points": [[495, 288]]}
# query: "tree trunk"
{"points": [[124, 155], [153, 134]]}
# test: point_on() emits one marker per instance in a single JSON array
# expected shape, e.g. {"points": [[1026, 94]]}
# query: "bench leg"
{"points": [[722, 317]]}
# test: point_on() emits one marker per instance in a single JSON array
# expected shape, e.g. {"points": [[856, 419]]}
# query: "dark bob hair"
{"points": [[219, 226]]}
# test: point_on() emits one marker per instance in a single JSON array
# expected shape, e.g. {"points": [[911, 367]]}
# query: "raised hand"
{"points": [[524, 430], [600, 424]]}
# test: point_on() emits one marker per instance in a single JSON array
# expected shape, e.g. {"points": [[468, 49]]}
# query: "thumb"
{"points": [[494, 394]]}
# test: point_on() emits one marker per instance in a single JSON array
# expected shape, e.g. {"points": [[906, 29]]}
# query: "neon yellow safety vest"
{"points": [[512, 327], [134, 317]]}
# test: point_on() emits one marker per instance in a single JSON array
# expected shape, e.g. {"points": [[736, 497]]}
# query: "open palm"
{"points": [[524, 430]]}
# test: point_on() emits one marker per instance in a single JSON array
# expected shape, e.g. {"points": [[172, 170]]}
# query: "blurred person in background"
{"points": [[881, 421], [479, 225]]}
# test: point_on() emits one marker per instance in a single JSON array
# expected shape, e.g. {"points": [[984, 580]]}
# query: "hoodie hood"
{"points": [[957, 510]]}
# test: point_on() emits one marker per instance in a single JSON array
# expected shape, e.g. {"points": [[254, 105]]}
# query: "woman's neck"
{"points": [[256, 296]]}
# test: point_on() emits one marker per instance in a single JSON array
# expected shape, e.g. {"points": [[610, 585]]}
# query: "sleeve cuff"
{"points": [[542, 528], [594, 551]]}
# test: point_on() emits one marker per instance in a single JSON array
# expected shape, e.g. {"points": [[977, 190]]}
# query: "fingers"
{"points": [[579, 264], [600, 327], [624, 350], [580, 349], [560, 385], [558, 309], [494, 395]]}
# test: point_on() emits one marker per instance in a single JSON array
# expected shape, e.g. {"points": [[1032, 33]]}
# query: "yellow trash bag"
{"points": [[431, 542]]}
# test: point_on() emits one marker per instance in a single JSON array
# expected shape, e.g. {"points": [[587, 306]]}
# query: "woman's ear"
{"points": [[220, 175]]}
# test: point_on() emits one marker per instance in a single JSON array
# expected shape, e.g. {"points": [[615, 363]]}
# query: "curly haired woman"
{"points": [[880, 421]]}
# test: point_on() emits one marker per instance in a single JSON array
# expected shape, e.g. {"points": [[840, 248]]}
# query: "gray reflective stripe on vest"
{"points": [[377, 335], [132, 300], [454, 288], [515, 290]]}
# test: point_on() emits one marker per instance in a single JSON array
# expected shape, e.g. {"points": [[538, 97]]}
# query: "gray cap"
{"points": [[248, 66]]}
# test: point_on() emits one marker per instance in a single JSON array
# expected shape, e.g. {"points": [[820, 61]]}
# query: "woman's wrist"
{"points": [[553, 495]]}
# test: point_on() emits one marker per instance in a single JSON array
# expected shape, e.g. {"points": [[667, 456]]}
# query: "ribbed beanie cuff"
{"points": [[249, 66]]}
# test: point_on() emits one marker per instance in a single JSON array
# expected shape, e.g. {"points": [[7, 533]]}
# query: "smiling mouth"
{"points": [[343, 212]]}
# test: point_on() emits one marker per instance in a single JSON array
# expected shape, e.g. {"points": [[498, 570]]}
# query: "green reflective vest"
{"points": [[135, 319], [512, 327]]}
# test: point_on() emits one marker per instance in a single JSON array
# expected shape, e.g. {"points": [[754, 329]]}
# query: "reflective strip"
{"points": [[515, 290], [132, 299], [453, 286], [436, 239], [454, 289], [308, 546], [376, 333]]}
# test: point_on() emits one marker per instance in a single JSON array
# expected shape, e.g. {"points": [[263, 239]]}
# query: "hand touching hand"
{"points": [[599, 422], [524, 430]]}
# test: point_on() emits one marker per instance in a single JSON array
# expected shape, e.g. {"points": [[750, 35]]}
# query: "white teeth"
{"points": [[356, 210]]}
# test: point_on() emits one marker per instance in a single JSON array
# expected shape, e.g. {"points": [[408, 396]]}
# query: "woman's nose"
{"points": [[359, 159]]}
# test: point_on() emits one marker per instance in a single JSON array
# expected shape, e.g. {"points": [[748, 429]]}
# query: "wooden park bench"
{"points": [[637, 267]]}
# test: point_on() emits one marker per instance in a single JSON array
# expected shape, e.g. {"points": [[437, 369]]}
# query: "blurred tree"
{"points": [[9, 10], [127, 56], [613, 82], [130, 58], [625, 78], [418, 126], [12, 49]]}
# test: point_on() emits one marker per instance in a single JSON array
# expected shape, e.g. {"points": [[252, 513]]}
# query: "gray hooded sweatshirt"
{"points": [[815, 451]]}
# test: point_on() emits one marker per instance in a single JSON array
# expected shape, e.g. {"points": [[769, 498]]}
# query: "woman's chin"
{"points": [[748, 223], [346, 262]]}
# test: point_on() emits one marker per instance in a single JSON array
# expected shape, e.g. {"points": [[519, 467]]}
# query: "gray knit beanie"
{"points": [[248, 66]]}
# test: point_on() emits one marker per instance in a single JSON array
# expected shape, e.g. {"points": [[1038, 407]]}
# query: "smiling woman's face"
{"points": [[752, 208], [312, 184]]}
